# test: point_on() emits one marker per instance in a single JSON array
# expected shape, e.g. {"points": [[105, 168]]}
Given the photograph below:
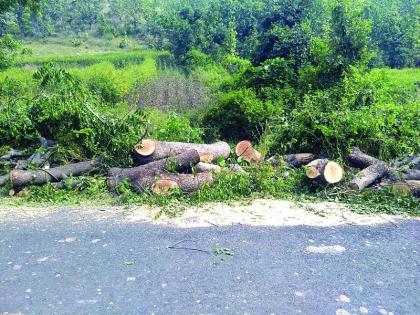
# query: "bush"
{"points": [[9, 48], [240, 115], [170, 126], [63, 110], [358, 112]]}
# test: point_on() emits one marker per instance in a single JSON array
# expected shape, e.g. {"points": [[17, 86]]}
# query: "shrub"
{"points": [[9, 48], [63, 110], [170, 126], [240, 115]]}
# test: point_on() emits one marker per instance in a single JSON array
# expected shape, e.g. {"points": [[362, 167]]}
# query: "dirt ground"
{"points": [[257, 213]]}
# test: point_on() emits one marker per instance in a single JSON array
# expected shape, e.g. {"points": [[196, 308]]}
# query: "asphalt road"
{"points": [[52, 265]]}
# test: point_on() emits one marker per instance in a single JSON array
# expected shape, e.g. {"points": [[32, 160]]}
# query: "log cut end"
{"points": [[164, 187], [333, 173], [146, 148], [206, 157], [325, 170], [245, 150], [312, 169], [206, 167]]}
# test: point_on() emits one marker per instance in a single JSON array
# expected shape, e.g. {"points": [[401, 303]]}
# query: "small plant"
{"points": [[76, 42]]}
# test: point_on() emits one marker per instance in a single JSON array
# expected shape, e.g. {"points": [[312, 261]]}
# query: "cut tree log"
{"points": [[369, 176], [411, 174], [361, 160], [406, 188], [325, 171], [298, 160], [19, 178], [206, 157], [4, 179], [12, 154], [166, 183], [181, 162], [207, 168], [150, 150], [245, 150]]}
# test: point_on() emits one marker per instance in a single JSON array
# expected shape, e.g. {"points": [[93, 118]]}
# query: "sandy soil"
{"points": [[257, 213]]}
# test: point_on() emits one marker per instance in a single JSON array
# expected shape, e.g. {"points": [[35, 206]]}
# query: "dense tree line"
{"points": [[254, 29]]}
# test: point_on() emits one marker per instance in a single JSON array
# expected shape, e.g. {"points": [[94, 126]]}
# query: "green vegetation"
{"points": [[292, 76]]}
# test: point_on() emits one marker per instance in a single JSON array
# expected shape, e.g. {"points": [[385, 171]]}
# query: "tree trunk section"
{"points": [[181, 162], [411, 174], [361, 160], [165, 183], [298, 160], [369, 176], [325, 171], [207, 168], [12, 154], [4, 179], [158, 150], [19, 178]]}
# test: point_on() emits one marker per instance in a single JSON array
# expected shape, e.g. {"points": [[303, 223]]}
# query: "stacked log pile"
{"points": [[402, 177], [34, 169], [164, 167]]}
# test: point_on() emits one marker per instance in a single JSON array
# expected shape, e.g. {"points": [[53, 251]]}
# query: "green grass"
{"points": [[59, 46]]}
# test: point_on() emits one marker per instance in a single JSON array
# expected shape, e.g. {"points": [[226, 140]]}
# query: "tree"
{"points": [[9, 49]]}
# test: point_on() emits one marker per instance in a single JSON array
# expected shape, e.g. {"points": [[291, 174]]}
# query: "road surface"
{"points": [[56, 264]]}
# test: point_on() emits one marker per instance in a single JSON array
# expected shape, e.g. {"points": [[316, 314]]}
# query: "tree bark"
{"points": [[369, 176], [158, 150], [411, 174], [361, 160], [164, 183], [12, 154], [183, 161], [408, 187], [19, 178], [325, 171], [298, 160], [4, 179], [207, 168]]}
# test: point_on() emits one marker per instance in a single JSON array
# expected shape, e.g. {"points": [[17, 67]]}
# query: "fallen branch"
{"points": [[150, 150], [19, 178]]}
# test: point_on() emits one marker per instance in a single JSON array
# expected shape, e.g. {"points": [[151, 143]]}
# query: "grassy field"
{"points": [[59, 47]]}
